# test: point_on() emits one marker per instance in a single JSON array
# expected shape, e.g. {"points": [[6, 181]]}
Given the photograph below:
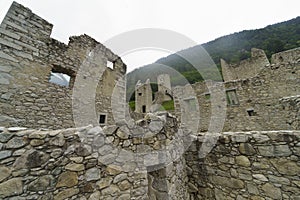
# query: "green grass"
{"points": [[132, 105], [167, 105]]}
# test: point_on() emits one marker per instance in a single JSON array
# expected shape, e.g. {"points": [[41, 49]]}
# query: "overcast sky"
{"points": [[198, 20]]}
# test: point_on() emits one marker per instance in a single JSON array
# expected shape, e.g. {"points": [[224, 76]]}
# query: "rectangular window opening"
{"points": [[102, 119], [60, 79], [251, 112], [144, 109], [110, 64], [232, 98]]}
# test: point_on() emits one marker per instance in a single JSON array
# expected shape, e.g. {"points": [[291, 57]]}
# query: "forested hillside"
{"points": [[232, 48]]}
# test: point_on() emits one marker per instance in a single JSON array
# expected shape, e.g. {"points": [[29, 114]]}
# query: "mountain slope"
{"points": [[232, 48]]}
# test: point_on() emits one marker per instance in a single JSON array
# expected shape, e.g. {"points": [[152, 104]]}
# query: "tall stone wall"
{"points": [[246, 68], [256, 103], [27, 58], [246, 165]]}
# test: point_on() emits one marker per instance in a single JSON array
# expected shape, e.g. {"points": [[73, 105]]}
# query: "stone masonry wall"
{"points": [[260, 103], [246, 165], [27, 57], [93, 163], [246, 68], [289, 56], [58, 165]]}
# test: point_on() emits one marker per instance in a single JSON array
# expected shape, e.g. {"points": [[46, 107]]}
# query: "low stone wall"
{"points": [[57, 165], [247, 165], [116, 162]]}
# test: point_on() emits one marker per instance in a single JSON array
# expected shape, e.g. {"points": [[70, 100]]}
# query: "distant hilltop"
{"points": [[232, 48]]}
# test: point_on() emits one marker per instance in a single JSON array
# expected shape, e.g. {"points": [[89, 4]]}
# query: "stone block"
{"points": [[5, 154], [104, 182], [4, 137], [92, 174], [10, 34], [242, 161], [66, 193], [23, 55], [286, 167], [12, 187], [275, 150], [31, 159], [260, 177], [95, 196], [227, 182], [5, 78], [41, 184], [6, 96], [15, 26], [16, 142], [246, 149], [4, 173], [10, 44], [7, 57], [74, 167], [67, 179], [272, 191], [5, 68], [279, 180], [112, 189]]}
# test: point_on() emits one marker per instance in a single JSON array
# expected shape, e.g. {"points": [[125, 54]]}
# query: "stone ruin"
{"points": [[246, 68], [254, 156], [144, 102], [143, 97], [30, 58]]}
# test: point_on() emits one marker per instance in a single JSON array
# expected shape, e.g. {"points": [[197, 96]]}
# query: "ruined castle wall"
{"points": [[27, 57], [246, 68], [116, 162], [60, 164], [164, 87], [256, 103], [289, 56], [246, 165], [259, 104]]}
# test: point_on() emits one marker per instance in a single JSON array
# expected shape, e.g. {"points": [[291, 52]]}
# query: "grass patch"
{"points": [[132, 105], [168, 105]]}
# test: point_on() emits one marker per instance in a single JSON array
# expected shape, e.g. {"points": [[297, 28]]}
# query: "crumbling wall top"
{"points": [[246, 68], [23, 20], [292, 55]]}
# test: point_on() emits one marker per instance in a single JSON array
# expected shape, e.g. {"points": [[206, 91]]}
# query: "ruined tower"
{"points": [[143, 97], [164, 86]]}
